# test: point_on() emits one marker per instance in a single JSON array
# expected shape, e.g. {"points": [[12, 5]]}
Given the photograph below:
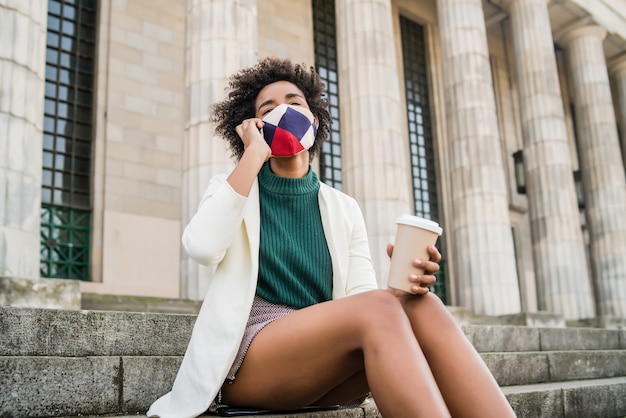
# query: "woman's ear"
{"points": [[316, 121]]}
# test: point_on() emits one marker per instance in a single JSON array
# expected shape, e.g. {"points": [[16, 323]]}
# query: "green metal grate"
{"points": [[67, 139], [65, 237]]}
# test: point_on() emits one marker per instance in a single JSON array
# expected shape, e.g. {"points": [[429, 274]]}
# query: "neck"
{"points": [[293, 167]]}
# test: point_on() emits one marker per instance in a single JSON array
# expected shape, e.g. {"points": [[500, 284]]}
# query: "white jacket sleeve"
{"points": [[218, 218]]}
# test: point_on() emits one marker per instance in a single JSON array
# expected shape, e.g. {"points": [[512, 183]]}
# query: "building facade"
{"points": [[503, 120]]}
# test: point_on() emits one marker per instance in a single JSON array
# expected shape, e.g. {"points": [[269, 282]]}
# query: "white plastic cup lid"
{"points": [[420, 223]]}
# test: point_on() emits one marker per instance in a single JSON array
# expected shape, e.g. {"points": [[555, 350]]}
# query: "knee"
{"points": [[428, 307], [383, 309], [431, 302]]}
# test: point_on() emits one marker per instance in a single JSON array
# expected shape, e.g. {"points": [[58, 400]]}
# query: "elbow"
{"points": [[200, 257], [198, 250]]}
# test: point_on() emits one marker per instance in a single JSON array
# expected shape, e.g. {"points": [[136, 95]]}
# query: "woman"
{"points": [[292, 316]]}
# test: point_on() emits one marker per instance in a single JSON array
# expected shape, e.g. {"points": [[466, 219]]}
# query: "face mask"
{"points": [[289, 130]]}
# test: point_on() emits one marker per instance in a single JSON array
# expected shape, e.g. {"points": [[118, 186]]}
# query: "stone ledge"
{"points": [[47, 332], [122, 303], [531, 319], [40, 293], [602, 321], [535, 319]]}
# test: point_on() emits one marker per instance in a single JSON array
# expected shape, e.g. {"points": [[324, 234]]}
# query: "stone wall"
{"points": [[139, 130]]}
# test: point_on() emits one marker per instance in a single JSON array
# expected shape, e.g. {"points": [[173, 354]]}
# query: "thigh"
{"points": [[300, 358]]}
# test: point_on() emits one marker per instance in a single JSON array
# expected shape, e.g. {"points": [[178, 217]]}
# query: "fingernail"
{"points": [[418, 261]]}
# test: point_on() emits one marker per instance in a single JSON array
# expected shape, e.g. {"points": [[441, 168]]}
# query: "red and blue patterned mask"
{"points": [[289, 130]]}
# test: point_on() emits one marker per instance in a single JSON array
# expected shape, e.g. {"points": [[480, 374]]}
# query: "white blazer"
{"points": [[225, 232]]}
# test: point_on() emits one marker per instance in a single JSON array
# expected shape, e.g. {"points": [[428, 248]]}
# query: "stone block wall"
{"points": [[139, 137]]}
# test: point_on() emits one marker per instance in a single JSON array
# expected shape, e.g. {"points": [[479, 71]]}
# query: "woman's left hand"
{"points": [[430, 267]]}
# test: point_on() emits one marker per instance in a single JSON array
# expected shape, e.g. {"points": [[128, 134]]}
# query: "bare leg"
{"points": [[352, 388], [466, 383], [319, 353]]}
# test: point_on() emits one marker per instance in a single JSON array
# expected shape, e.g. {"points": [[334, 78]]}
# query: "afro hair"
{"points": [[245, 85]]}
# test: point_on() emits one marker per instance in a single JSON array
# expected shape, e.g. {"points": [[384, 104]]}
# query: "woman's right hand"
{"points": [[250, 133], [256, 153]]}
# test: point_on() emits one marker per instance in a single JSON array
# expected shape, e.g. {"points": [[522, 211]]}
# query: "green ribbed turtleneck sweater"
{"points": [[295, 267]]}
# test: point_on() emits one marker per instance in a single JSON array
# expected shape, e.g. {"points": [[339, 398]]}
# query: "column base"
{"points": [[529, 319], [602, 321], [40, 293], [539, 319]]}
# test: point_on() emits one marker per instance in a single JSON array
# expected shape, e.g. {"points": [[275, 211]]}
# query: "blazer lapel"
{"points": [[252, 223], [329, 232]]}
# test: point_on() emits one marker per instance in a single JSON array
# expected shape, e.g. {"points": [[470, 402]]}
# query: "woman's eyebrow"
{"points": [[287, 96], [292, 95], [265, 103]]}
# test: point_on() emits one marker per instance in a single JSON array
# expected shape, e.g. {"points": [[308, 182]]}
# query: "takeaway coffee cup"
{"points": [[413, 236]]}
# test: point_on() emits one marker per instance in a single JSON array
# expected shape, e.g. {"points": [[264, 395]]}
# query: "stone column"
{"points": [[221, 39], [374, 147], [618, 71], [602, 167], [480, 229], [563, 282], [22, 80], [22, 76]]}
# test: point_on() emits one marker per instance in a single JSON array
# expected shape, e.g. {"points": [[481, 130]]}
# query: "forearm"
{"points": [[242, 177], [210, 231]]}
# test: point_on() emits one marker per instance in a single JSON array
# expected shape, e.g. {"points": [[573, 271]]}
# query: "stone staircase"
{"points": [[56, 363]]}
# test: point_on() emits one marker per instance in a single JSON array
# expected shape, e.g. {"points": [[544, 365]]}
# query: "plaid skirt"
{"points": [[262, 313]]}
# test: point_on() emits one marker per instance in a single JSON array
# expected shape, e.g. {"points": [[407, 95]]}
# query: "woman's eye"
{"points": [[266, 111]]}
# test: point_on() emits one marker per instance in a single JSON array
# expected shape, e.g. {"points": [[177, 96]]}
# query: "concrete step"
{"points": [[109, 383], [129, 382], [69, 363], [499, 338], [48, 386], [598, 398], [528, 367], [595, 398], [49, 332]]}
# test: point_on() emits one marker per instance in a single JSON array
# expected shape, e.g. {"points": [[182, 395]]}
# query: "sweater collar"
{"points": [[270, 182]]}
